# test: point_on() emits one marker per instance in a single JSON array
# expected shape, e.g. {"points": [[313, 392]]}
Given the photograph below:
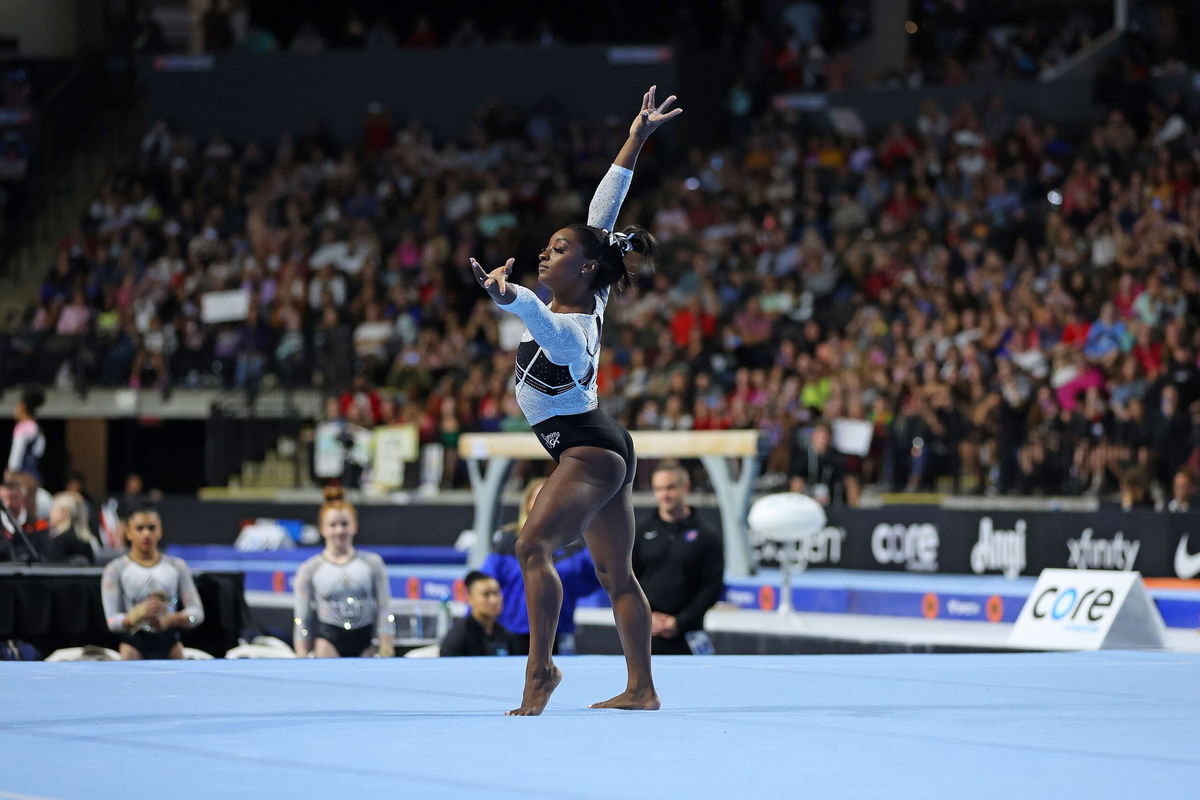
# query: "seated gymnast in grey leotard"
{"points": [[342, 593], [149, 596]]}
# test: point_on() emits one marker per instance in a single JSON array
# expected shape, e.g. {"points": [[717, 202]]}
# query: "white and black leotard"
{"points": [[559, 354]]}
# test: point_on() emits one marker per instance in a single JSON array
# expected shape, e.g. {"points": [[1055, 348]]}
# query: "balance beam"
{"points": [[489, 457]]}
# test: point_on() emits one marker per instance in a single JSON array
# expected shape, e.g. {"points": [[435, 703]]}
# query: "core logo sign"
{"points": [[766, 598], [412, 587], [915, 546], [1071, 609], [1069, 603]]}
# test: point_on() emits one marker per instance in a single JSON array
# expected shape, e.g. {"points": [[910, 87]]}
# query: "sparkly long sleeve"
{"points": [[560, 335], [385, 622], [610, 194], [189, 598], [304, 617], [112, 598]]}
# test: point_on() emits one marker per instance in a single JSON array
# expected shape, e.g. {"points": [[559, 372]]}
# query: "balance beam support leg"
{"points": [[486, 489], [733, 497]]}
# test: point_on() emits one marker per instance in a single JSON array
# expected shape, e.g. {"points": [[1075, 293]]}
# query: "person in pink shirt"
{"points": [[74, 317]]}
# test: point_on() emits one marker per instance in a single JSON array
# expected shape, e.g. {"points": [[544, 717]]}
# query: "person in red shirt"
{"points": [[688, 317], [1148, 350], [363, 396], [1127, 292], [1075, 332]]}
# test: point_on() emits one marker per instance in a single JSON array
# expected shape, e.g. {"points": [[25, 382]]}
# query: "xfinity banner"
{"points": [[1088, 610], [926, 539]]}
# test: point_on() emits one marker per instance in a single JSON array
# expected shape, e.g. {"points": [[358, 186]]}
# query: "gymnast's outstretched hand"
{"points": [[651, 115], [495, 283]]}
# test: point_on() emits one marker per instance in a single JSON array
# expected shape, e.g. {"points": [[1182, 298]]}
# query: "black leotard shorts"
{"points": [[590, 429]]}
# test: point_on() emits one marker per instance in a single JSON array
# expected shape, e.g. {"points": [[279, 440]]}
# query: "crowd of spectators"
{"points": [[1011, 309]]}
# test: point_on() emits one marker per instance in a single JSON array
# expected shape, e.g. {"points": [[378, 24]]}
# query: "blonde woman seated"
{"points": [[71, 540]]}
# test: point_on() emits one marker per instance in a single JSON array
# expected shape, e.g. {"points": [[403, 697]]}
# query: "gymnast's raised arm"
{"points": [[606, 202]]}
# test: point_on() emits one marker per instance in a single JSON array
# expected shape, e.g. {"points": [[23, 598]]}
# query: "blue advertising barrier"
{"points": [[962, 598]]}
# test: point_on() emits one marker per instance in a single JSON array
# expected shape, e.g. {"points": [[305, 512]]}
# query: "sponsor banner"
{"points": [[640, 55], [926, 539], [882, 602], [821, 549], [1186, 562], [936, 605], [765, 597], [914, 546], [1088, 610]]}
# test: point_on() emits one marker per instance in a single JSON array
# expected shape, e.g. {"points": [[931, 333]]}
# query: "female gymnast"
{"points": [[142, 589], [342, 594], [28, 443], [589, 491]]}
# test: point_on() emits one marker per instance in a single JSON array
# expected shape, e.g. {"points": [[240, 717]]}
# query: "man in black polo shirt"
{"points": [[679, 563], [478, 633]]}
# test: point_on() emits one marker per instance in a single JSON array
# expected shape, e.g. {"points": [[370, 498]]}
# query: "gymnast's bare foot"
{"points": [[539, 685], [630, 700]]}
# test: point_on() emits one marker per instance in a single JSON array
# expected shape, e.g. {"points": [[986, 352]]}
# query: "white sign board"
{"points": [[852, 436], [231, 306], [330, 452], [394, 445], [1073, 609]]}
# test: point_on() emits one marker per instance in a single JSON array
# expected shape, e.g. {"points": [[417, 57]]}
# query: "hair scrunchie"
{"points": [[620, 241]]}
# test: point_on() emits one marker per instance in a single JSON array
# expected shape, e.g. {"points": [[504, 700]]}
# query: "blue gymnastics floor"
{"points": [[1095, 725]]}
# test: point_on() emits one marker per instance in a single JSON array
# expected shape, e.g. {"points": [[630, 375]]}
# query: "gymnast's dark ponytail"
{"points": [[33, 398], [610, 250]]}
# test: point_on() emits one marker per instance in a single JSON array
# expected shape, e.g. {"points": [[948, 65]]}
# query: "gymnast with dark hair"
{"points": [[589, 492], [28, 443], [148, 596]]}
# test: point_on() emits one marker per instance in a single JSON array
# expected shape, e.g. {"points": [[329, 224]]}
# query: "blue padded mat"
{"points": [[1094, 725]]}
